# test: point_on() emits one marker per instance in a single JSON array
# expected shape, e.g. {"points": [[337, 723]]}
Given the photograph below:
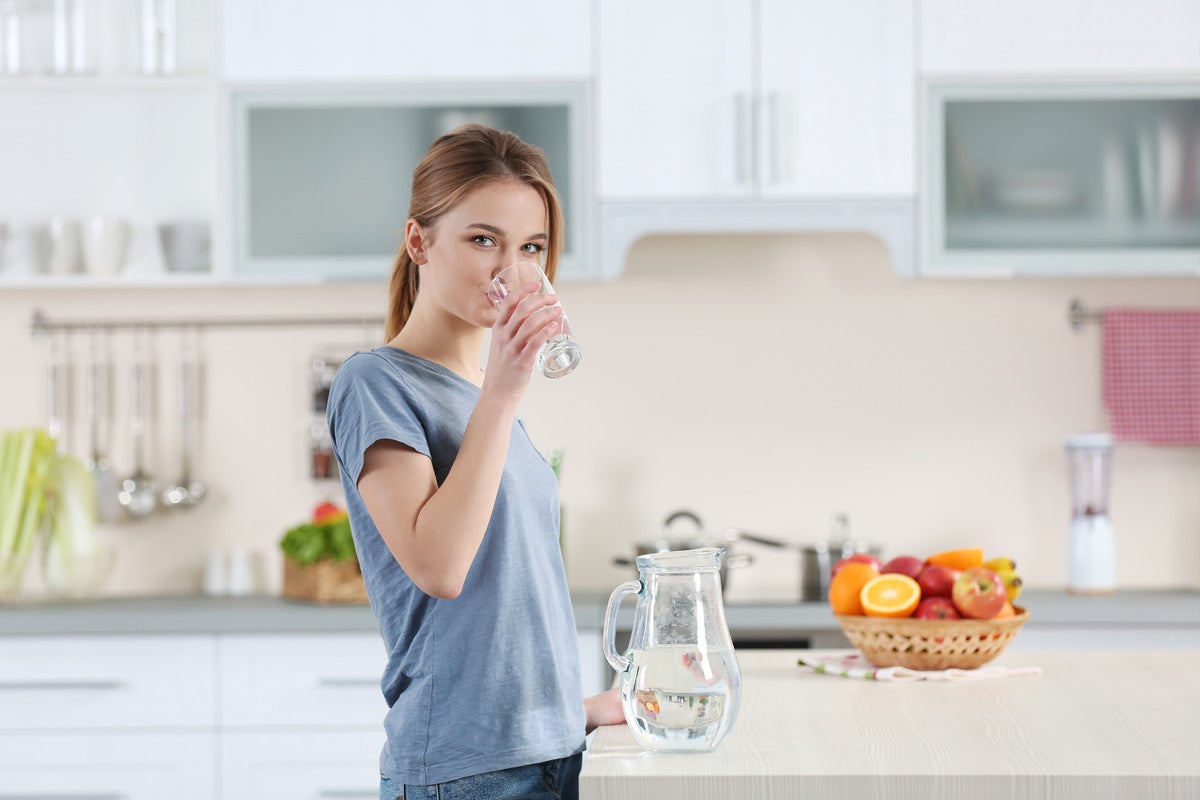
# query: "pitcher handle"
{"points": [[619, 662]]}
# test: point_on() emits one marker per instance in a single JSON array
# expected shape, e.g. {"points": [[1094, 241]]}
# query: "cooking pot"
{"points": [[817, 559], [696, 536]]}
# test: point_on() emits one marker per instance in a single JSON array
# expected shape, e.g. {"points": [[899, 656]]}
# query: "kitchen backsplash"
{"points": [[766, 382]]}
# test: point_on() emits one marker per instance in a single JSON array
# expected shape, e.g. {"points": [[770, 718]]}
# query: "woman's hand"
{"points": [[526, 321], [603, 709]]}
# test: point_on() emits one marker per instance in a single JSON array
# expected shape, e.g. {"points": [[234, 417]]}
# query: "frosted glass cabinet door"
{"points": [[838, 104], [675, 99], [321, 174], [374, 39], [1083, 179]]}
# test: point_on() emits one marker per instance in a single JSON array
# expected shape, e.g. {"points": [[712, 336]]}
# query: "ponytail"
{"points": [[402, 292]]}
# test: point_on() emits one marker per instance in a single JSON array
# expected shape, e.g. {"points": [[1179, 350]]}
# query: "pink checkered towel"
{"points": [[1152, 375]]}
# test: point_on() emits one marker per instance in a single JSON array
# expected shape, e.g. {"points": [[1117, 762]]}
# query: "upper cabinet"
{"points": [[767, 99], [1062, 38], [318, 40], [321, 174], [1078, 178]]}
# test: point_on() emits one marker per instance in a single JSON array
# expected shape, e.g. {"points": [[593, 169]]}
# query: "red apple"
{"points": [[937, 581], [979, 593], [904, 565], [936, 608], [860, 558]]}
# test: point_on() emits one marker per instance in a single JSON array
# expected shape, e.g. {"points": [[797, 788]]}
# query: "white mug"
{"points": [[62, 239], [186, 245], [105, 245]]}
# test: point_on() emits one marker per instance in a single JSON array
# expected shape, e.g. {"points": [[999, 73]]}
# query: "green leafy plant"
{"points": [[309, 542]]}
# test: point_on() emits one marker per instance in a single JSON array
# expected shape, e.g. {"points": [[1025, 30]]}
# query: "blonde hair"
{"points": [[455, 164]]}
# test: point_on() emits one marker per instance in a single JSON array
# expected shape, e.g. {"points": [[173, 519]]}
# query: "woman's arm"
{"points": [[434, 532]]}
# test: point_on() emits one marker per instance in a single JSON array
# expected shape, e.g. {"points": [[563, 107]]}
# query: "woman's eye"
{"points": [[534, 247], [484, 241]]}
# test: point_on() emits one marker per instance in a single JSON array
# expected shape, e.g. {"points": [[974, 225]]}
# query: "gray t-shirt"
{"points": [[489, 680]]}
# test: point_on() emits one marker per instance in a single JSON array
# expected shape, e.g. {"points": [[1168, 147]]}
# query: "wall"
{"points": [[766, 382]]}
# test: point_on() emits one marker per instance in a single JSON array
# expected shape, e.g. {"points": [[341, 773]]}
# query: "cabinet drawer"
{"points": [[301, 766], [318, 680], [96, 682], [108, 766]]}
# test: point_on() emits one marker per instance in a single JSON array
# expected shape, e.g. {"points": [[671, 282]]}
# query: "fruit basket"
{"points": [[929, 644]]}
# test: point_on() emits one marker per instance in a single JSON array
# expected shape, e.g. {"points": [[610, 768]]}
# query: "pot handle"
{"points": [[619, 662], [765, 540]]}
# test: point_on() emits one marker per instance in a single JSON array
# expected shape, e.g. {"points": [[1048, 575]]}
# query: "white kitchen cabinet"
{"points": [[837, 100], [301, 766], [769, 99], [674, 94], [307, 40], [302, 680], [108, 766], [1061, 37], [88, 682]]}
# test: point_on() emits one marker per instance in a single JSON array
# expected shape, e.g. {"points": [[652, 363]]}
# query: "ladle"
{"points": [[138, 493], [98, 464], [188, 491]]}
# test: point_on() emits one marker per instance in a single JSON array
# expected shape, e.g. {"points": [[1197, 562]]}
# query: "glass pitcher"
{"points": [[680, 682]]}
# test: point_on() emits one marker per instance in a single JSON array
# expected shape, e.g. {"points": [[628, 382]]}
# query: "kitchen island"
{"points": [[1093, 725]]}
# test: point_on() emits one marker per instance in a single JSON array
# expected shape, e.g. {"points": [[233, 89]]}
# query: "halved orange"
{"points": [[846, 586], [890, 595], [962, 559]]}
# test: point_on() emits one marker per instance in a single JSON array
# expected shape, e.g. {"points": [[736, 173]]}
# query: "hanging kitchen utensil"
{"points": [[138, 493], [56, 370], [99, 405], [187, 491]]}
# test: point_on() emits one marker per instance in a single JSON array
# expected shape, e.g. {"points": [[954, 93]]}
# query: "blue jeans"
{"points": [[550, 780]]}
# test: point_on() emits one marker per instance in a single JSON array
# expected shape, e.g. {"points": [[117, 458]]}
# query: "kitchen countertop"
{"points": [[216, 615], [1065, 733]]}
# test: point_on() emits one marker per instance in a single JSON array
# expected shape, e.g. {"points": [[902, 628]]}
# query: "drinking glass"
{"points": [[561, 353]]}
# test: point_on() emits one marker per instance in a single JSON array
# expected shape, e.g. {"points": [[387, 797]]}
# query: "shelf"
{"points": [[107, 83], [181, 280]]}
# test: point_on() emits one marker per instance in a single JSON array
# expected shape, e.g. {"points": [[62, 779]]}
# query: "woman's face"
{"points": [[495, 225]]}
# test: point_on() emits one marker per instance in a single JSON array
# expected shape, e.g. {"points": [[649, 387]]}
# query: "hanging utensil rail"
{"points": [[40, 324]]}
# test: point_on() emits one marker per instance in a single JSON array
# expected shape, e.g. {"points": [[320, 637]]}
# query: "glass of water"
{"points": [[560, 355]]}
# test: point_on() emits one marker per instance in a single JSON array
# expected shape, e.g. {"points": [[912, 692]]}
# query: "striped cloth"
{"points": [[1152, 375], [853, 664]]}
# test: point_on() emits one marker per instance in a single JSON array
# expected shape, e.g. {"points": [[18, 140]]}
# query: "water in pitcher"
{"points": [[678, 698]]}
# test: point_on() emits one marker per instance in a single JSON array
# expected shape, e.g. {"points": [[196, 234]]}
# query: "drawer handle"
{"points": [[344, 682], [89, 686]]}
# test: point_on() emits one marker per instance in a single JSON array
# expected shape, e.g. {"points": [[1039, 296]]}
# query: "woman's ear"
{"points": [[416, 241]]}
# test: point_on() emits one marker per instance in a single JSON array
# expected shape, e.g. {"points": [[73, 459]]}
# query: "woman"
{"points": [[454, 512]]}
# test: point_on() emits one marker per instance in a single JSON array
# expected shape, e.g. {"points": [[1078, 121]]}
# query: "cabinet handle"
{"points": [[741, 137], [776, 137], [344, 682], [56, 686]]}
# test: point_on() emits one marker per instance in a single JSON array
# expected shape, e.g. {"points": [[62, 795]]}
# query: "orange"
{"points": [[958, 559], [1006, 611], [890, 595], [847, 584]]}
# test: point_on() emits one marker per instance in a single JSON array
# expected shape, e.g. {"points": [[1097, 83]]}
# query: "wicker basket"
{"points": [[324, 582], [930, 644]]}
